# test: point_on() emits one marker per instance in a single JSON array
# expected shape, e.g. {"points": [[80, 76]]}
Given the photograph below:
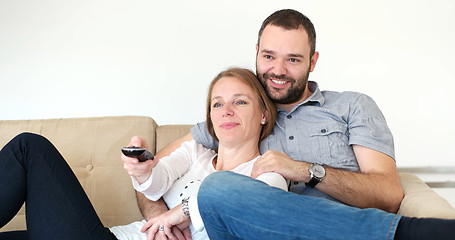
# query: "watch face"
{"points": [[318, 171]]}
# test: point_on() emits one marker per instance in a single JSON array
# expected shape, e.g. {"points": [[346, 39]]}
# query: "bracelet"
{"points": [[186, 208]]}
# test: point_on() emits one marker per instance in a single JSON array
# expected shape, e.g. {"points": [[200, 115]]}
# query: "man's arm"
{"points": [[149, 208], [376, 186]]}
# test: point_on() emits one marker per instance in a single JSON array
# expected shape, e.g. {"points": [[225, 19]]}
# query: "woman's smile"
{"points": [[229, 125]]}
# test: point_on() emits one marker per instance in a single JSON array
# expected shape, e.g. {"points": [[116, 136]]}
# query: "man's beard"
{"points": [[293, 94]]}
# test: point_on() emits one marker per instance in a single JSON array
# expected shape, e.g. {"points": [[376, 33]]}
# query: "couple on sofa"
{"points": [[230, 204]]}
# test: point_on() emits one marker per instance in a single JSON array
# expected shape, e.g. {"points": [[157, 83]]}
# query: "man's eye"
{"points": [[268, 57], [294, 60]]}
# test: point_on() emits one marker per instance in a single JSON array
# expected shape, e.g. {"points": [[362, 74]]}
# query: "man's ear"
{"points": [[314, 59], [257, 49]]}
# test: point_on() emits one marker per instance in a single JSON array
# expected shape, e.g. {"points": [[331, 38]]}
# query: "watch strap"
{"points": [[313, 182]]}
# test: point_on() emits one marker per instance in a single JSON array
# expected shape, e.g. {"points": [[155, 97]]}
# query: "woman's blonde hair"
{"points": [[251, 80]]}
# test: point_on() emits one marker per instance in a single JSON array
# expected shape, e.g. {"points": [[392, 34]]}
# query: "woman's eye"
{"points": [[217, 105], [240, 102]]}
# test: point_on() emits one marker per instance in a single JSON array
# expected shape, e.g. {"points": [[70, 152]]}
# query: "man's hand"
{"points": [[272, 161], [168, 220]]}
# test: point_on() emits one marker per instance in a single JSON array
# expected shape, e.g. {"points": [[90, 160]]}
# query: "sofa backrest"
{"points": [[166, 134], [91, 146]]}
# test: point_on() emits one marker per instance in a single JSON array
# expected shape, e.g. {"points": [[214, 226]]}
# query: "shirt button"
{"points": [[291, 137], [289, 116], [323, 130], [295, 183]]}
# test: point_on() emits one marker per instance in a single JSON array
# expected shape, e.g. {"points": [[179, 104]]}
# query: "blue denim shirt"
{"points": [[322, 129]]}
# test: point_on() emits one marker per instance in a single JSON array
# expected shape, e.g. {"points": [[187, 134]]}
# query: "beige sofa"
{"points": [[92, 148]]}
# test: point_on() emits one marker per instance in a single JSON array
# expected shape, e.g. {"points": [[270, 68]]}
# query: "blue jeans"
{"points": [[32, 170], [234, 206]]}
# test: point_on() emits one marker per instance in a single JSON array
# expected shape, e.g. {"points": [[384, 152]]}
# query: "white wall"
{"points": [[62, 58]]}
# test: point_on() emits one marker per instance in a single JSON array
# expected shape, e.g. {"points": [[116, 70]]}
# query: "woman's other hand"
{"points": [[165, 222]]}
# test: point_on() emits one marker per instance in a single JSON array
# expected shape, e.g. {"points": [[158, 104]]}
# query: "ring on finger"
{"points": [[160, 228]]}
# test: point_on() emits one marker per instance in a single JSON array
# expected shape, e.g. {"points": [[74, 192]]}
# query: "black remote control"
{"points": [[140, 153]]}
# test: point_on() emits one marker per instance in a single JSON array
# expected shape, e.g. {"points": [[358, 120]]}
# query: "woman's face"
{"points": [[235, 112]]}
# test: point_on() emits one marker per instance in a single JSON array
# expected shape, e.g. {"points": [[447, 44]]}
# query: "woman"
{"points": [[239, 114], [57, 208]]}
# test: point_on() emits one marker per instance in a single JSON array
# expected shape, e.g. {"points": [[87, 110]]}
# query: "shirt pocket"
{"points": [[332, 144]]}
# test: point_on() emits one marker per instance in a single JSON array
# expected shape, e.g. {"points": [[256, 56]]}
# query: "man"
{"points": [[328, 144]]}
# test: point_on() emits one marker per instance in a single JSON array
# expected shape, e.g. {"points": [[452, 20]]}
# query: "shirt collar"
{"points": [[315, 98]]}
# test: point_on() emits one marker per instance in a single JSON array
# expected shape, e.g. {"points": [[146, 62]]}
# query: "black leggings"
{"points": [[32, 170]]}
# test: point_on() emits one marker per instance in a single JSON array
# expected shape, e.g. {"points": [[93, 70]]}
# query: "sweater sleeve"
{"points": [[274, 179], [196, 218], [166, 172]]}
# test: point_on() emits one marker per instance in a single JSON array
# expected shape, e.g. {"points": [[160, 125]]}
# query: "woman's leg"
{"points": [[15, 235], [233, 206], [32, 170]]}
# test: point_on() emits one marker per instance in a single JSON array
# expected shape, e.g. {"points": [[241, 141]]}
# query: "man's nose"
{"points": [[279, 68]]}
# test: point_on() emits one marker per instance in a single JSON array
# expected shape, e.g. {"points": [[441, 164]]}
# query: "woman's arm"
{"points": [[149, 208], [168, 170]]}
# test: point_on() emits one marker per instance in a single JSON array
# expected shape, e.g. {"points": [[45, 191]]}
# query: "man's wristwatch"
{"points": [[317, 173]]}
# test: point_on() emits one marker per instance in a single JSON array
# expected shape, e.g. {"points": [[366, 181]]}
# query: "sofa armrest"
{"points": [[421, 201]]}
